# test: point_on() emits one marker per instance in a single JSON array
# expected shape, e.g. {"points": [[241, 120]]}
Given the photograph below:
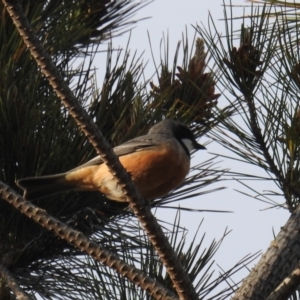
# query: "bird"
{"points": [[157, 162]]}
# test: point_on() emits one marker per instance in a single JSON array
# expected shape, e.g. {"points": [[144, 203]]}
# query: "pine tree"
{"points": [[39, 136], [259, 73]]}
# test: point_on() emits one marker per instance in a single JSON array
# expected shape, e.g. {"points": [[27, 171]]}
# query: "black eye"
{"points": [[182, 132]]}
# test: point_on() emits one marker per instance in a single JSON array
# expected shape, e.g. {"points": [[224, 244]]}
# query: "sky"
{"points": [[252, 223]]}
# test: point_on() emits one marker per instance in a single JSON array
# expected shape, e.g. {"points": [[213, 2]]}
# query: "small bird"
{"points": [[157, 162]]}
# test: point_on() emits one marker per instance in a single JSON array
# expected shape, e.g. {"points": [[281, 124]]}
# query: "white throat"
{"points": [[188, 144]]}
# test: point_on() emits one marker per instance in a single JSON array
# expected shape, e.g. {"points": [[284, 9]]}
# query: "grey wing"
{"points": [[137, 144]]}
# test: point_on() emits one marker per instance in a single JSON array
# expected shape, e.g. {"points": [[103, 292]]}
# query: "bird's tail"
{"points": [[40, 187]]}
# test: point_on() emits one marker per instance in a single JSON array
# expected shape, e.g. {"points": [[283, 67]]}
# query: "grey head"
{"points": [[178, 130]]}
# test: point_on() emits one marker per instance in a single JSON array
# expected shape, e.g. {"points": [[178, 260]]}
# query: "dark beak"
{"points": [[198, 146]]}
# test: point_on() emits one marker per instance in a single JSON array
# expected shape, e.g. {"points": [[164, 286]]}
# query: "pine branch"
{"points": [[243, 72], [78, 239], [12, 283], [181, 281], [257, 133], [288, 286], [243, 65], [278, 262]]}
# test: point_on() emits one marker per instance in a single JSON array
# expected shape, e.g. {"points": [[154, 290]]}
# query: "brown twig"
{"points": [[161, 244], [12, 283]]}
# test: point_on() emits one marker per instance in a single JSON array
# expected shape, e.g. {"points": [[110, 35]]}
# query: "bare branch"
{"points": [[287, 287], [12, 283], [278, 262]]}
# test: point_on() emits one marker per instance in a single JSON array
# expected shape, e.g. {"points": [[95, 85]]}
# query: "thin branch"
{"points": [[81, 242], [12, 283], [288, 286], [161, 244], [260, 141], [256, 131]]}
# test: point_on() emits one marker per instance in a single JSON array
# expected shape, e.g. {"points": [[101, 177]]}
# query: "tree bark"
{"points": [[279, 261]]}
